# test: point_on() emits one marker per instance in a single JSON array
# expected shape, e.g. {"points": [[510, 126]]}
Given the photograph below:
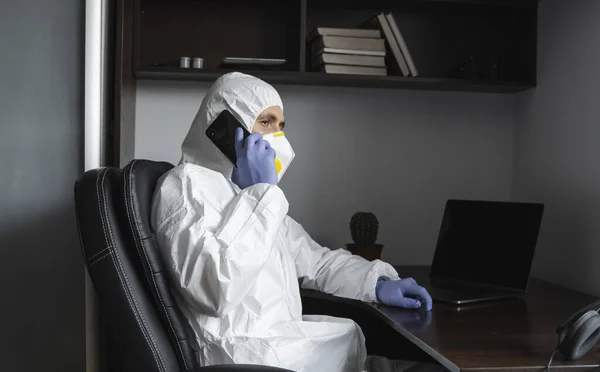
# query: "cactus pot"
{"points": [[370, 253]]}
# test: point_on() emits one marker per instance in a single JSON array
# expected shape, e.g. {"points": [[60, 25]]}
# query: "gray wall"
{"points": [[397, 153], [41, 270], [557, 144]]}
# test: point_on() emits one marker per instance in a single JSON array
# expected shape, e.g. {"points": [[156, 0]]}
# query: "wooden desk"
{"points": [[517, 334]]}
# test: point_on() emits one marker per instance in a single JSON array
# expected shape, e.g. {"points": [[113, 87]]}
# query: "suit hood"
{"points": [[245, 97]]}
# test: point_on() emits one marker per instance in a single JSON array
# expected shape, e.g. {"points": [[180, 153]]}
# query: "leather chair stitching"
{"points": [[98, 253], [121, 274], [142, 252], [99, 259]]}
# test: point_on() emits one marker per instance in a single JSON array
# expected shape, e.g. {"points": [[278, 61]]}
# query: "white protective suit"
{"points": [[235, 256]]}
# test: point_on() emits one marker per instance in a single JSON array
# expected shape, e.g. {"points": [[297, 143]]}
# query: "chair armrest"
{"points": [[238, 368]]}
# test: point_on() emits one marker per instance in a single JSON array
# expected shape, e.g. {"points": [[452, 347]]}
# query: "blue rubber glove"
{"points": [[404, 293], [255, 161]]}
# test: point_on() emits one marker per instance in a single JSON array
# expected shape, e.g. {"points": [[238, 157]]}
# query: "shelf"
{"points": [[322, 79], [447, 39]]}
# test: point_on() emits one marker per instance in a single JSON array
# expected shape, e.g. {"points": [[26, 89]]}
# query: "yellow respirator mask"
{"points": [[284, 154]]}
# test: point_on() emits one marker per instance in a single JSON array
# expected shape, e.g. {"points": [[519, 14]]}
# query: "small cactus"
{"points": [[363, 228]]}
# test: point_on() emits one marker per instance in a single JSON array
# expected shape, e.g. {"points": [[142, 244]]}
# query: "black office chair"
{"points": [[121, 253]]}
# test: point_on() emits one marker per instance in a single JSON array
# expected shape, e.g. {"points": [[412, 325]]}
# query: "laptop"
{"points": [[484, 250]]}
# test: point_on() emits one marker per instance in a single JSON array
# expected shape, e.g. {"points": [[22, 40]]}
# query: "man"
{"points": [[235, 256]]}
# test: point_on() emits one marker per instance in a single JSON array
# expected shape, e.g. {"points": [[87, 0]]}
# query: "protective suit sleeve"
{"points": [[215, 255], [336, 272]]}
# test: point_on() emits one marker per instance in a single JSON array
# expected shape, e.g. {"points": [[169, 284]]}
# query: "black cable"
{"points": [[550, 361]]}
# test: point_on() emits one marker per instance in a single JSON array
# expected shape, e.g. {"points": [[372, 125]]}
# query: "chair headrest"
{"points": [[141, 177]]}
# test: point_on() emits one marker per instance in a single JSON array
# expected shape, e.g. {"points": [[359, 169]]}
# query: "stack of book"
{"points": [[347, 51], [362, 50]]}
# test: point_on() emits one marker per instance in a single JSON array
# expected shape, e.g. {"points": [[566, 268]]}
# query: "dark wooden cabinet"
{"points": [[461, 45]]}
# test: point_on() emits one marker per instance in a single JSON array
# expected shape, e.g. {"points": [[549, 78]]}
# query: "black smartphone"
{"points": [[222, 133]]}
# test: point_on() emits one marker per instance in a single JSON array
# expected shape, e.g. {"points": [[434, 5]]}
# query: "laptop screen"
{"points": [[488, 242]]}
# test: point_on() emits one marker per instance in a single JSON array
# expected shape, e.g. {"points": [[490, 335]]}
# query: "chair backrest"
{"points": [[121, 254]]}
